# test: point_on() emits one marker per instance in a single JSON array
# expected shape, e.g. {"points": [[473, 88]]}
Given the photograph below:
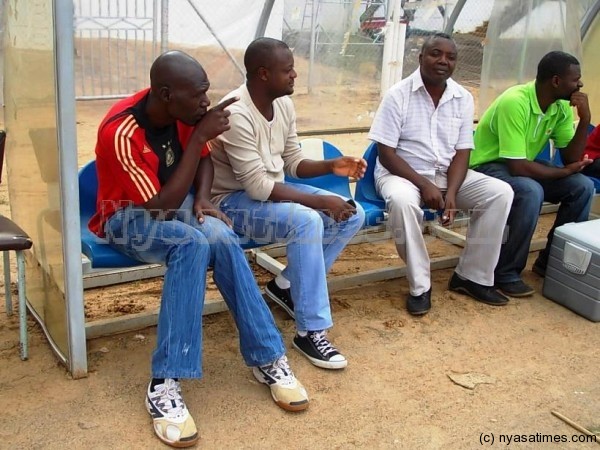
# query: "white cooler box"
{"points": [[573, 272]]}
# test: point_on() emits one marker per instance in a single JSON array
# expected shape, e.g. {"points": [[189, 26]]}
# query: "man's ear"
{"points": [[263, 73], [164, 93], [555, 80], [420, 58]]}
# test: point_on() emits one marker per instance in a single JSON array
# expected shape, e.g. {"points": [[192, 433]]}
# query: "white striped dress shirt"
{"points": [[424, 136]]}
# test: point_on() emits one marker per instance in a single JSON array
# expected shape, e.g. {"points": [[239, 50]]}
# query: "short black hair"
{"points": [[433, 37], [554, 63], [260, 52]]}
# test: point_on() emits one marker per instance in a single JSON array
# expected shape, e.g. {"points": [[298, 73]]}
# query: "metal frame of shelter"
{"points": [[69, 338]]}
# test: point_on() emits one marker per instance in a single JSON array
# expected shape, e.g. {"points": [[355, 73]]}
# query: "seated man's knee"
{"points": [[359, 218], [220, 232], [305, 227], [227, 236], [192, 243], [528, 196], [306, 218], [504, 192], [584, 188], [403, 203]]}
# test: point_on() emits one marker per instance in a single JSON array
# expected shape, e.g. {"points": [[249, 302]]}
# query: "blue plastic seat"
{"points": [[367, 195], [96, 249], [372, 205], [319, 149], [545, 155], [590, 129]]}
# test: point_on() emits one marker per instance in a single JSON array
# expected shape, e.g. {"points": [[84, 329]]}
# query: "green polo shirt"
{"points": [[514, 127]]}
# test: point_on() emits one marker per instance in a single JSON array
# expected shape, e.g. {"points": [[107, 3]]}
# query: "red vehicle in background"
{"points": [[373, 20]]}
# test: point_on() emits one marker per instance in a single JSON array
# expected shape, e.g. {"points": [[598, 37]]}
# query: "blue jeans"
{"points": [[574, 193], [188, 248], [313, 242]]}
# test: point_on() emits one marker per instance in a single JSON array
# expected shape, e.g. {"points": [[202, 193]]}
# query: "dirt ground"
{"points": [[527, 359]]}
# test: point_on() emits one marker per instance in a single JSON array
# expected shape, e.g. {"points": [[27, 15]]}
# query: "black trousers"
{"points": [[593, 170]]}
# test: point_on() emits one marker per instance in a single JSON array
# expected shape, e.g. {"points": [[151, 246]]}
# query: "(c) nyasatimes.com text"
{"points": [[508, 439]]}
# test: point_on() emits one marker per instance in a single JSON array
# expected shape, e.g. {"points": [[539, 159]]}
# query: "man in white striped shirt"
{"points": [[424, 134]]}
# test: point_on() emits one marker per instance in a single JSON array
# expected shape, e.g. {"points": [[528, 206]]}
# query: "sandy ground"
{"points": [[395, 393], [533, 355]]}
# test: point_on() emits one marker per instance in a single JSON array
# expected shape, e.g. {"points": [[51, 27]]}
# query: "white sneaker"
{"points": [[286, 390], [173, 423]]}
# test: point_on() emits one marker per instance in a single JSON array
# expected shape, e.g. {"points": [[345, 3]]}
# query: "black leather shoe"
{"points": [[516, 289], [485, 294], [539, 267], [418, 305]]}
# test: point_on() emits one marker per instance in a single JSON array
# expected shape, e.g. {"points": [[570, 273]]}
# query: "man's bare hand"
{"points": [[203, 207], [432, 196], [214, 122], [349, 166], [336, 207], [578, 166], [580, 101], [449, 212]]}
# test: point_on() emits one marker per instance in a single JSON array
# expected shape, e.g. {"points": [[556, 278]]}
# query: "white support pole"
{"points": [[164, 25], [67, 144], [387, 57], [313, 44], [398, 53], [393, 48]]}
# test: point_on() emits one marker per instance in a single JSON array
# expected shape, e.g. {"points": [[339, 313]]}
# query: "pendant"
{"points": [[170, 154]]}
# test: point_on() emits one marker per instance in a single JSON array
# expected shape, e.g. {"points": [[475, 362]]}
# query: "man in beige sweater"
{"points": [[251, 160]]}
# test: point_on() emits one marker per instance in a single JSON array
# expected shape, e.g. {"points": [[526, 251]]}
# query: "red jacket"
{"points": [[592, 147], [126, 165]]}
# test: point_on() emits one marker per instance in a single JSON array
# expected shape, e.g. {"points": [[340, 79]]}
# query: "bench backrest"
{"points": [[319, 149], [367, 195], [97, 250]]}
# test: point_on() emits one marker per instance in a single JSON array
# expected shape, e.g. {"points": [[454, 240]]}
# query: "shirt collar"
{"points": [[535, 105], [451, 90]]}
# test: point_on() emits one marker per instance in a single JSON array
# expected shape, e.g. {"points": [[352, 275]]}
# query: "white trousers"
{"points": [[488, 201]]}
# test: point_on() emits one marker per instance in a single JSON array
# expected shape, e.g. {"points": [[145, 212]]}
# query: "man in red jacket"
{"points": [[151, 150], [592, 151]]}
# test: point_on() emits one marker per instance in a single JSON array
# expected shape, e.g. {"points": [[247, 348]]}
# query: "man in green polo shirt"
{"points": [[509, 137]]}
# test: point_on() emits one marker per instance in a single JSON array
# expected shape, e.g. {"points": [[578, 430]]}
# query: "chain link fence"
{"points": [[115, 43], [338, 46]]}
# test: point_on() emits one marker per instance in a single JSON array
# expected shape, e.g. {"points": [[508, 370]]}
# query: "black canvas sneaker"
{"points": [[319, 351], [282, 297]]}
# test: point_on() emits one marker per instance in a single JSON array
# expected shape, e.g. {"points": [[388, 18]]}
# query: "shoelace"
{"points": [[169, 398], [281, 371], [322, 343]]}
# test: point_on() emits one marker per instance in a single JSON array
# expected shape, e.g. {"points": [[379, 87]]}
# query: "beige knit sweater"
{"points": [[255, 154]]}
